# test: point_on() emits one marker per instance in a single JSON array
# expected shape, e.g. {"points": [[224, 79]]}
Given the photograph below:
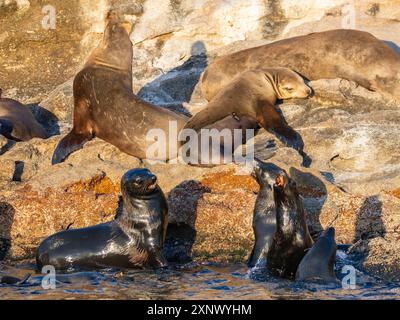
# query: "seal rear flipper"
{"points": [[69, 144]]}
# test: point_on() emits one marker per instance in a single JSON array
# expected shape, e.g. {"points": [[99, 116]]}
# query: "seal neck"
{"points": [[115, 50], [134, 209]]}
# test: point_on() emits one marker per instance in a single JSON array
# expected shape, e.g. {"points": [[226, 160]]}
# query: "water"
{"points": [[192, 281]]}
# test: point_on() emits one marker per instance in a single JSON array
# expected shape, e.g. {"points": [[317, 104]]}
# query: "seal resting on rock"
{"points": [[105, 105], [264, 214], [252, 96], [17, 121], [319, 262], [292, 238], [133, 239], [349, 54]]}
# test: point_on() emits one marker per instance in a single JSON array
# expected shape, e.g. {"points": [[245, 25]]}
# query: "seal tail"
{"points": [[70, 143]]}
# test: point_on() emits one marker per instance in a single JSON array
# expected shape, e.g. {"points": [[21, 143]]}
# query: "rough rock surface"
{"points": [[350, 133]]}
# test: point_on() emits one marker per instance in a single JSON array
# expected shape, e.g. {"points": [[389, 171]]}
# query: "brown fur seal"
{"points": [[349, 54], [104, 103], [253, 94], [17, 121], [134, 239], [292, 238]]}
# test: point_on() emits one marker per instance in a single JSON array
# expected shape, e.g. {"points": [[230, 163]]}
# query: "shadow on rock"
{"points": [[7, 213], [369, 225], [297, 143], [393, 46], [46, 118], [176, 86], [181, 234]]}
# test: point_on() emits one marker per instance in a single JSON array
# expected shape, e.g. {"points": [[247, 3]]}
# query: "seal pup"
{"points": [[17, 121], [254, 94], [292, 238], [133, 239], [264, 214], [105, 105], [343, 53], [319, 262]]}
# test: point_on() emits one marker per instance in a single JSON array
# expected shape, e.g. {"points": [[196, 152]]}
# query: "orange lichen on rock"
{"points": [[229, 180], [99, 184]]}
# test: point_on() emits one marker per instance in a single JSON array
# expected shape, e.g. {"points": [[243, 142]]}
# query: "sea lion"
{"points": [[264, 214], [253, 94], [17, 121], [349, 54], [104, 103], [10, 280], [133, 239], [292, 238], [319, 262]]}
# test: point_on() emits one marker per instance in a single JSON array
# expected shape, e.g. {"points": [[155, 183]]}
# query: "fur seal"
{"points": [[133, 239], [319, 262], [264, 214], [17, 121], [292, 238], [349, 54], [104, 103]]}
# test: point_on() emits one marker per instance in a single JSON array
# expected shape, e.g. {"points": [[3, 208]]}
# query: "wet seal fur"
{"points": [[264, 214], [252, 96], [292, 238], [319, 262], [343, 53], [104, 103], [17, 121], [133, 239]]}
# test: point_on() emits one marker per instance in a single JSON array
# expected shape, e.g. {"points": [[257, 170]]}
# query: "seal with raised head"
{"points": [[17, 121], [264, 214], [133, 239], [105, 105], [292, 238], [349, 54], [319, 262]]}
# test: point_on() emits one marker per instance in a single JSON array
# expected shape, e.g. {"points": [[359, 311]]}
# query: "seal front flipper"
{"points": [[206, 117], [69, 144], [319, 262], [270, 119]]}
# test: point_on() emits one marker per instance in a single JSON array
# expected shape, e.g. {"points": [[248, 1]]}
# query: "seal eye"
{"points": [[288, 89]]}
